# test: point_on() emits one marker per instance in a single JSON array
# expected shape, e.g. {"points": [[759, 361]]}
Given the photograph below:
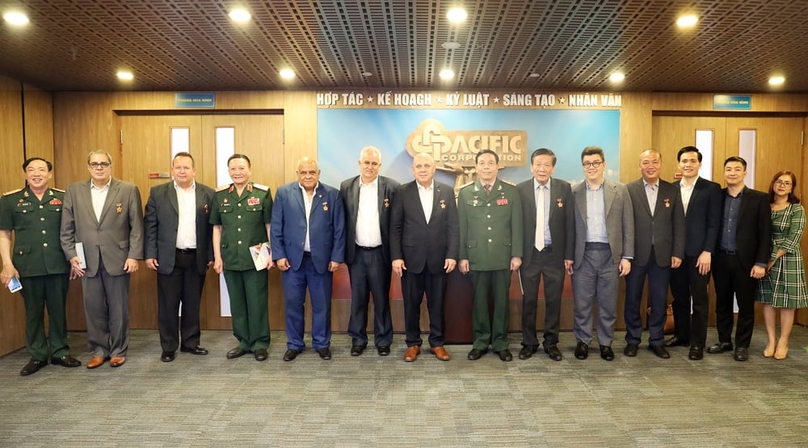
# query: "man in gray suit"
{"points": [[659, 246], [178, 246], [106, 216], [604, 247]]}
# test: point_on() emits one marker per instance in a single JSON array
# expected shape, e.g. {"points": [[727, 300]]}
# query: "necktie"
{"points": [[540, 219], [487, 188]]}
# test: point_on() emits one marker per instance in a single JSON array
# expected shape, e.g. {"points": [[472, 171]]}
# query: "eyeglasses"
{"points": [[97, 165], [593, 164], [783, 183]]}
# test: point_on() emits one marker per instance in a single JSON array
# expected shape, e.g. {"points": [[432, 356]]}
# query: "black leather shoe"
{"points": [[32, 367], [475, 354], [527, 352], [741, 354], [553, 352], [676, 342], [167, 356], [606, 352], [659, 351], [505, 355], [720, 347], [325, 353], [357, 350], [236, 353], [198, 350], [631, 350], [261, 354], [383, 350], [290, 354], [581, 350], [66, 361], [696, 353]]}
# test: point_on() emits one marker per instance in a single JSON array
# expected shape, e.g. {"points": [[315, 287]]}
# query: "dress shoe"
{"points": [[631, 350], [606, 352], [261, 354], [357, 350], [440, 353], [383, 350], [505, 355], [741, 354], [95, 362], [553, 352], [237, 352], [412, 353], [768, 352], [659, 351], [32, 367], [290, 354], [66, 361], [117, 361], [781, 353], [325, 353], [676, 342], [720, 347], [475, 354], [167, 356], [581, 351], [696, 353], [195, 350], [527, 352]]}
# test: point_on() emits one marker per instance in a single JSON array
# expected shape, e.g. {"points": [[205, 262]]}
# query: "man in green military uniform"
{"points": [[241, 216], [490, 214], [34, 214]]}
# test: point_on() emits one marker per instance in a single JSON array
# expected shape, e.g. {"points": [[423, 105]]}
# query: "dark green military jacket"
{"points": [[243, 220], [490, 225], [37, 250]]}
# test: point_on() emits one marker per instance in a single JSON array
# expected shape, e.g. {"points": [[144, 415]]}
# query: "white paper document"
{"points": [[80, 254], [260, 255]]}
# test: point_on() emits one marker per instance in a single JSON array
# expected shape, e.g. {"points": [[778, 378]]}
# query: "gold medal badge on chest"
{"points": [[443, 203], [667, 203], [386, 203], [325, 206], [559, 203], [119, 207]]}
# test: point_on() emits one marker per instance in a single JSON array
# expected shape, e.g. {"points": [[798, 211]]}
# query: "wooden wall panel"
{"points": [[38, 115]]}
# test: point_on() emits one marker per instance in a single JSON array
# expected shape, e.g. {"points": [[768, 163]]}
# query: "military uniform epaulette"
{"points": [[58, 189], [507, 183], [12, 192], [222, 188], [466, 185], [260, 187]]}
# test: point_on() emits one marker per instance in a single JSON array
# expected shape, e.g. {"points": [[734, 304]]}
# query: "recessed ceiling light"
{"points": [[777, 80], [687, 21], [533, 75], [125, 76], [240, 15], [447, 74], [287, 73], [617, 77], [450, 45], [15, 18], [367, 74], [457, 15]]}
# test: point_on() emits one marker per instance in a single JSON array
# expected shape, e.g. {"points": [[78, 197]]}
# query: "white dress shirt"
{"points": [[427, 195], [368, 232], [307, 201], [186, 208], [99, 196]]}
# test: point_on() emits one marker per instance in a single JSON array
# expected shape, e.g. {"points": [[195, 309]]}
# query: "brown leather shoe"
{"points": [[412, 353], [440, 353], [95, 362], [117, 361]]}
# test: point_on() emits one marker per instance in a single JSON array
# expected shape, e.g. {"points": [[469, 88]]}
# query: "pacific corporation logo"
{"points": [[455, 148]]}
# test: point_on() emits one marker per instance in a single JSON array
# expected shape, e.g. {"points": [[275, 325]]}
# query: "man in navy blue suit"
{"points": [[308, 245]]}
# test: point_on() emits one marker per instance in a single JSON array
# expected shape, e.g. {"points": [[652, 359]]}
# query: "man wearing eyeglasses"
{"points": [[105, 215], [368, 200], [604, 247]]}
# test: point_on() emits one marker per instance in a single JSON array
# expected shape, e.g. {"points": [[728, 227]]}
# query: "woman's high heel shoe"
{"points": [[781, 352]]}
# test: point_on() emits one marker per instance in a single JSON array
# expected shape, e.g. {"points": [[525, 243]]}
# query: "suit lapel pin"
{"points": [[118, 207], [325, 206], [442, 203], [25, 193], [559, 203], [207, 209], [386, 203], [667, 203], [50, 192]]}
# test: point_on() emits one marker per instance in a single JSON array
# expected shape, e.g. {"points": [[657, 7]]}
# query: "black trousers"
{"points": [[732, 280], [183, 285], [370, 274], [686, 282], [541, 265], [413, 287]]}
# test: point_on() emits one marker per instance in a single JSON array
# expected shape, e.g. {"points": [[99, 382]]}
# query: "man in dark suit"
{"points": [[659, 245], [308, 245], [549, 244], [744, 246], [106, 216], [701, 203], [178, 247], [424, 238], [367, 199]]}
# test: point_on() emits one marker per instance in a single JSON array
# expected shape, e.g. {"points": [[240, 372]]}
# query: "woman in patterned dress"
{"points": [[784, 285]]}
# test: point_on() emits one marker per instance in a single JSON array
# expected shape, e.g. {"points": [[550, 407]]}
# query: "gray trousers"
{"points": [[106, 306], [595, 279]]}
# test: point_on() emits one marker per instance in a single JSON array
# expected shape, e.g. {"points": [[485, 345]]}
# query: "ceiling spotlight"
{"points": [[125, 76], [367, 74], [15, 18], [687, 21], [240, 15], [776, 80], [617, 77], [446, 74], [533, 75], [287, 73], [450, 45], [456, 15]]}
